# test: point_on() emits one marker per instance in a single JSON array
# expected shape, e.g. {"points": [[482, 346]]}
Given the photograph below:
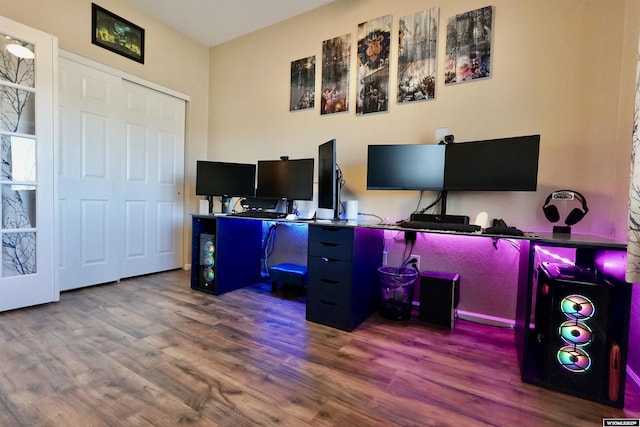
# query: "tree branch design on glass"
{"points": [[17, 156]]}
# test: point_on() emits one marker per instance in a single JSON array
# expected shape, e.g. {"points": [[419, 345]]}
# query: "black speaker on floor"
{"points": [[439, 297], [573, 333]]}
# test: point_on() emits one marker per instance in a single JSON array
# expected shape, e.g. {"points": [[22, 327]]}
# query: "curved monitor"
{"points": [[405, 167]]}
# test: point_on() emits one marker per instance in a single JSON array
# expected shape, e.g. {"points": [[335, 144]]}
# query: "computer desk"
{"points": [[343, 291]]}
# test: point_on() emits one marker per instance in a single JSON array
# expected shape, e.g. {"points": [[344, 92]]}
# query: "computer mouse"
{"points": [[291, 217]]}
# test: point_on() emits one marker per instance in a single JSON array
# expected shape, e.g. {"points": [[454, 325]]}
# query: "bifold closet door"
{"points": [[120, 179], [89, 176], [153, 181]]}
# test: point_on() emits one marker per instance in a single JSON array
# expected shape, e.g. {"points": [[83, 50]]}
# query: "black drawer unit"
{"points": [[342, 268]]}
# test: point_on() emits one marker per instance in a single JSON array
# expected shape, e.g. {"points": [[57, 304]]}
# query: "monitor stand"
{"points": [[458, 219], [443, 203], [336, 209]]}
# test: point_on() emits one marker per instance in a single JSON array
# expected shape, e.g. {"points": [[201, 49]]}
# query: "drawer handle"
{"points": [[331, 282], [332, 229], [327, 302], [325, 259], [332, 245]]}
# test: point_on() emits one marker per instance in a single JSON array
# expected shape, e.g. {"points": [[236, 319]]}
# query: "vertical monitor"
{"points": [[285, 179], [506, 164], [225, 179], [405, 167], [327, 175]]}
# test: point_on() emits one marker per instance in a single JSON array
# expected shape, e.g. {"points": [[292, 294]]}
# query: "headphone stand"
{"points": [[562, 229]]}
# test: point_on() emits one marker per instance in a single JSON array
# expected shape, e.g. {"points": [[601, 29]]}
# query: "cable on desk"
{"points": [[375, 216], [267, 248]]}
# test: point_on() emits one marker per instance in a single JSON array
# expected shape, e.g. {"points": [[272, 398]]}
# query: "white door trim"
{"points": [[118, 73]]}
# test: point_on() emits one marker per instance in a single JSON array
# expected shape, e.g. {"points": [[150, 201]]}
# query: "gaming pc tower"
{"points": [[203, 254], [207, 262], [581, 336]]}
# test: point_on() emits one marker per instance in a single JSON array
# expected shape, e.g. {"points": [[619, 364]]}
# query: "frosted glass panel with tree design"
{"points": [[17, 156]]}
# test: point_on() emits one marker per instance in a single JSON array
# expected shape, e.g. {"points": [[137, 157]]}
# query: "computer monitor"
{"points": [[285, 179], [405, 167], [505, 164], [225, 180], [328, 179]]}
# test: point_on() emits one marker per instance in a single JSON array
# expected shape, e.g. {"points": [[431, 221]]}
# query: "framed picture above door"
{"points": [[116, 34]]}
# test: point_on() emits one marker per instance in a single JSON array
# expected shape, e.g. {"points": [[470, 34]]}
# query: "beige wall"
{"points": [[563, 69], [171, 60]]}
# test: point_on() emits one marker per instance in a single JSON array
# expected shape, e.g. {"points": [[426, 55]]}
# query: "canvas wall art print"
{"points": [[116, 34], [303, 84], [374, 48], [469, 46], [417, 60], [336, 66]]}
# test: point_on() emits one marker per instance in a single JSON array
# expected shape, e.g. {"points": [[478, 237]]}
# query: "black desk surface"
{"points": [[573, 240]]}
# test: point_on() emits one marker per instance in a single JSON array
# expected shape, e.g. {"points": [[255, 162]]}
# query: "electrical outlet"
{"points": [[417, 258]]}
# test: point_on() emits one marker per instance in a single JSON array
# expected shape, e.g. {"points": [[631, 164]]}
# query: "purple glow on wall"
{"points": [[448, 240], [611, 264]]}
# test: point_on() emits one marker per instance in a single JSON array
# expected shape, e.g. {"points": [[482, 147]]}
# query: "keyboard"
{"points": [[260, 214], [440, 226]]}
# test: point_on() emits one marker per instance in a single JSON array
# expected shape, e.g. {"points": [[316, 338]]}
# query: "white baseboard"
{"points": [[486, 319]]}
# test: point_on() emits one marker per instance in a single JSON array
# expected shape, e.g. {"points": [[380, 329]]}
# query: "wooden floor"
{"points": [[150, 351]]}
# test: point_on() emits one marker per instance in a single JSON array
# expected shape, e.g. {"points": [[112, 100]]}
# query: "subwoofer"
{"points": [[439, 297]]}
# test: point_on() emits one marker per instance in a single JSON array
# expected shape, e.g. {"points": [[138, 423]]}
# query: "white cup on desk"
{"points": [[351, 209]]}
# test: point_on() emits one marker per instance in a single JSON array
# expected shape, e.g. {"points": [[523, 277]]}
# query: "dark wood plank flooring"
{"points": [[151, 351]]}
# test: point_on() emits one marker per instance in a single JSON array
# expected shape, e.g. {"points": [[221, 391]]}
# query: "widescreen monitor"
{"points": [[405, 167], [285, 179], [506, 164], [225, 179]]}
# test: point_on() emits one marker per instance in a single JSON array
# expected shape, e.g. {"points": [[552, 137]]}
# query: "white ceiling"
{"points": [[211, 22]]}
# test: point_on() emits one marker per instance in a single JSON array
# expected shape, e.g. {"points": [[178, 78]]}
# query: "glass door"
{"points": [[27, 92]]}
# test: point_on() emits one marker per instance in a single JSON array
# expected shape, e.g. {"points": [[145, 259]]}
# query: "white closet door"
{"points": [[28, 95], [153, 180], [121, 177], [90, 170]]}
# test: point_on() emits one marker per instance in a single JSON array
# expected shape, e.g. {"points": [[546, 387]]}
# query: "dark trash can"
{"points": [[396, 286]]}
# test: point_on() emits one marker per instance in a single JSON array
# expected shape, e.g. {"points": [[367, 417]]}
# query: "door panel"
{"points": [[155, 167], [88, 177], [94, 247]]}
